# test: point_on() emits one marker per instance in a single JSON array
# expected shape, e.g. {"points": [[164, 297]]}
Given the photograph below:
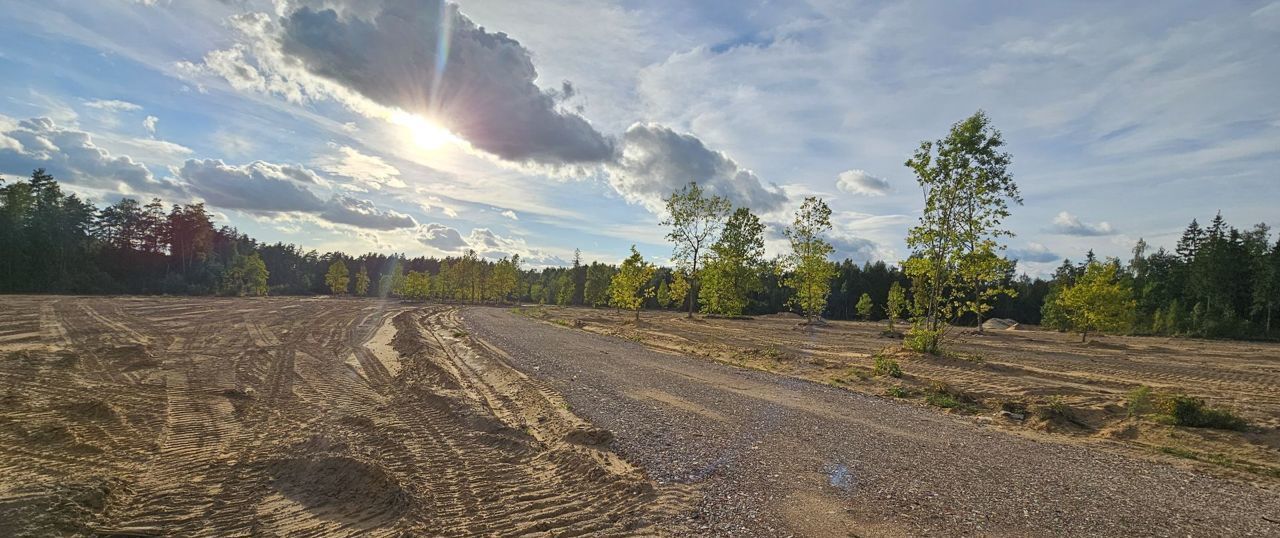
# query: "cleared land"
{"points": [[218, 417], [331, 417], [1057, 387]]}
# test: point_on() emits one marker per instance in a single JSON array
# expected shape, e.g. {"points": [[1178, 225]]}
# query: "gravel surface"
{"points": [[776, 457]]}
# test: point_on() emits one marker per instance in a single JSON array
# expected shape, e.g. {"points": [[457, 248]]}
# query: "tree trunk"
{"points": [[1084, 335], [637, 315]]}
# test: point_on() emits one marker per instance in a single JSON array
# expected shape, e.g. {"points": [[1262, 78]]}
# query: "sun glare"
{"points": [[425, 133]]}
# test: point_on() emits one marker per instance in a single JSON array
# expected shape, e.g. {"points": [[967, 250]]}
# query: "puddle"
{"points": [[839, 476]]}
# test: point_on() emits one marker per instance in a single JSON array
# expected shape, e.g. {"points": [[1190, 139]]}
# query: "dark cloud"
{"points": [[441, 237], [1067, 224], [263, 187], [657, 161], [1034, 252], [72, 157], [858, 249], [258, 186], [483, 90], [363, 214]]}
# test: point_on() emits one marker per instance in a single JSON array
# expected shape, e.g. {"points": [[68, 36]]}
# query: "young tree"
{"points": [[733, 270], [678, 291], [809, 273], [337, 278], [896, 306], [955, 266], [362, 281], [247, 275], [1098, 301], [864, 306], [630, 287], [695, 220]]}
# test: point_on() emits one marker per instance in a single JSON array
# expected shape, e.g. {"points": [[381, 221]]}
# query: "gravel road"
{"points": [[775, 456]]}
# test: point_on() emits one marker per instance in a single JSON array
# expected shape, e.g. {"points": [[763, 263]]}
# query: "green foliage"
{"points": [[630, 286], [247, 276], [733, 270], [809, 272], [1097, 301], [921, 339], [954, 265], [886, 366], [940, 394], [1192, 412], [897, 391], [896, 306], [597, 288], [1140, 401], [337, 278], [362, 281], [695, 220], [864, 307]]}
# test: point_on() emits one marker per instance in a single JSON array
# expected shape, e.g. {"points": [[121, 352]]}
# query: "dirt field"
{"points": [[1059, 386], [300, 417]]}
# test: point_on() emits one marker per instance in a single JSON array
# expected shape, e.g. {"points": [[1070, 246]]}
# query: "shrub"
{"points": [[942, 395], [1192, 412], [886, 366], [923, 340], [1140, 401], [897, 391]]}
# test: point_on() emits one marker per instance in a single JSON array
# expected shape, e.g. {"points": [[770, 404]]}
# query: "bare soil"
{"points": [[287, 416], [1049, 384]]}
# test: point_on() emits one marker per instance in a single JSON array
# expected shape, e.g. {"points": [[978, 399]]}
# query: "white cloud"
{"points": [[369, 170], [112, 105], [150, 125], [441, 237], [510, 214], [72, 156], [1035, 253], [860, 182], [1067, 224]]}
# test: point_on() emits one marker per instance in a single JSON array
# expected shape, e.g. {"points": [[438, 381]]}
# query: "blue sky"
{"points": [[538, 127]]}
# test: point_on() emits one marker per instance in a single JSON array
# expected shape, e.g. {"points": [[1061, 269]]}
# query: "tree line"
{"points": [[1219, 281]]}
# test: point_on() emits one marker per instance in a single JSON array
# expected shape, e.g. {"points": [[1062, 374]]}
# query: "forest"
{"points": [[1219, 282]]}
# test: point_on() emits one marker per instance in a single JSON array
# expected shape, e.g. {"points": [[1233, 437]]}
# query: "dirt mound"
{"points": [[342, 483], [589, 436], [1000, 324]]}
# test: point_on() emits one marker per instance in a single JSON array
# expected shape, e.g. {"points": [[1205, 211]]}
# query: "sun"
{"points": [[425, 133]]}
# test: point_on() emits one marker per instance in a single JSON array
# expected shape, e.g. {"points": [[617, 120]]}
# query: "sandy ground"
{"points": [[287, 416], [1028, 369], [779, 456]]}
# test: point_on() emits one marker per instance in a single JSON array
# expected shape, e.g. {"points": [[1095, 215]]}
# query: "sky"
{"points": [[537, 127]]}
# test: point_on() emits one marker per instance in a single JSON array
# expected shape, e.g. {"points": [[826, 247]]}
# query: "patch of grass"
{"points": [[897, 391], [942, 395], [1192, 412], [1056, 408], [886, 366], [1140, 401]]}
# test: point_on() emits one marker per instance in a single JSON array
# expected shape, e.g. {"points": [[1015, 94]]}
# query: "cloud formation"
{"points": [[370, 171], [1034, 252], [112, 105], [657, 161], [423, 57], [441, 237], [1067, 224], [263, 187], [149, 123], [860, 182], [71, 155]]}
